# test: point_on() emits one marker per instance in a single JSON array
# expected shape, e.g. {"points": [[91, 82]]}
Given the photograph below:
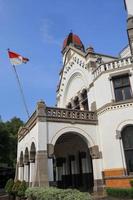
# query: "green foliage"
{"points": [[120, 192], [131, 183], [16, 187], [4, 143], [9, 186], [8, 141], [56, 194], [22, 188]]}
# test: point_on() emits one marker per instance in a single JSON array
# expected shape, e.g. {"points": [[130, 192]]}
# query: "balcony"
{"points": [[53, 114], [71, 116], [112, 65]]}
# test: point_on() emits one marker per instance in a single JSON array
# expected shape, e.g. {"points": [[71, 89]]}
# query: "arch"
{"points": [[77, 74], [73, 162], [32, 152], [26, 155], [86, 137], [123, 124], [21, 158]]}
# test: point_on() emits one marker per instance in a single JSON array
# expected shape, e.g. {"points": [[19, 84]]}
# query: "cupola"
{"points": [[74, 41]]}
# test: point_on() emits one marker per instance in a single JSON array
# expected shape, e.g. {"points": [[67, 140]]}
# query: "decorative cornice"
{"points": [[115, 106]]}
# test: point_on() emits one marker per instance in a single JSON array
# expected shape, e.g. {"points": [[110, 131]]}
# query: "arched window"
{"points": [[76, 103], [32, 152], [127, 139], [85, 100]]}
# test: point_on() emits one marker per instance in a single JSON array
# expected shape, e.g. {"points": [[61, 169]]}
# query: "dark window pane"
{"points": [[85, 104], [125, 81], [118, 94], [117, 82], [127, 139], [127, 92], [122, 88], [129, 160], [127, 135]]}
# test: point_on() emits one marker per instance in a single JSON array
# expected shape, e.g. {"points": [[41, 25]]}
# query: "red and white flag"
{"points": [[16, 59]]}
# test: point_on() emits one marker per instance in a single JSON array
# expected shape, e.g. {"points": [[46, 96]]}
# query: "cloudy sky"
{"points": [[36, 29]]}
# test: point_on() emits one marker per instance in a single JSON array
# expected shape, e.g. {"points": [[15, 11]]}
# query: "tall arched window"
{"points": [[85, 99], [127, 139]]}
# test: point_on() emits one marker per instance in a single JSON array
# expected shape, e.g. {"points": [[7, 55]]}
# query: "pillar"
{"points": [[21, 172], [57, 174], [26, 172], [73, 166], [50, 170], [41, 169], [84, 165], [32, 172], [97, 173]]}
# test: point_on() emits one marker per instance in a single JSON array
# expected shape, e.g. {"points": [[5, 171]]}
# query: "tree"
{"points": [[8, 140], [4, 144]]}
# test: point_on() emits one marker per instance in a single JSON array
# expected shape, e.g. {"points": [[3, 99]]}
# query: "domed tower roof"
{"points": [[74, 40]]}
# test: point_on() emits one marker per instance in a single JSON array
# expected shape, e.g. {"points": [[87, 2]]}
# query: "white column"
{"points": [[21, 173], [32, 171], [64, 168], [59, 173], [97, 173], [73, 166], [84, 170], [26, 172], [56, 173], [50, 170]]}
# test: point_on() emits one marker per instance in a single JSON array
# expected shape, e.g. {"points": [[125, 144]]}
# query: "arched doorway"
{"points": [[72, 162], [127, 139]]}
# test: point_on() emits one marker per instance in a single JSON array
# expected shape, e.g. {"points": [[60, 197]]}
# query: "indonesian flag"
{"points": [[16, 59]]}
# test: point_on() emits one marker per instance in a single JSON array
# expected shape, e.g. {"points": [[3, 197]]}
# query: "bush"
{"points": [[21, 189], [120, 192], [9, 186], [15, 187], [131, 183], [56, 194]]}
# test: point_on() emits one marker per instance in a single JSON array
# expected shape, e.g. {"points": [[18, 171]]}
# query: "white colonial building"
{"points": [[85, 142]]}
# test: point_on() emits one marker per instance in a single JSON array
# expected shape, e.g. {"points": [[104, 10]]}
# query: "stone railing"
{"points": [[112, 65], [53, 114], [69, 114]]}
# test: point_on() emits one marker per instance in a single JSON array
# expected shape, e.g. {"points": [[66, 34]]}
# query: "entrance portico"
{"points": [[63, 148]]}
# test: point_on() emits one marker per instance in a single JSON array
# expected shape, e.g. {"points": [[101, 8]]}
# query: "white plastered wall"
{"points": [[103, 92], [32, 136], [108, 125], [38, 135]]}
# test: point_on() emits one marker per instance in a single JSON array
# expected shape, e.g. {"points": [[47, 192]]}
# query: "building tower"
{"points": [[129, 8]]}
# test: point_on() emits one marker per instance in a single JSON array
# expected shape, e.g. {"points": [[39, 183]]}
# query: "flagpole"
{"points": [[21, 91]]}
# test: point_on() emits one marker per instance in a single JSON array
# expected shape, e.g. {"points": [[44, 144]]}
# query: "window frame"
{"points": [[122, 87]]}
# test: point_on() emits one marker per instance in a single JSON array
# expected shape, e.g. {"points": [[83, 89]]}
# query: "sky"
{"points": [[36, 29]]}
